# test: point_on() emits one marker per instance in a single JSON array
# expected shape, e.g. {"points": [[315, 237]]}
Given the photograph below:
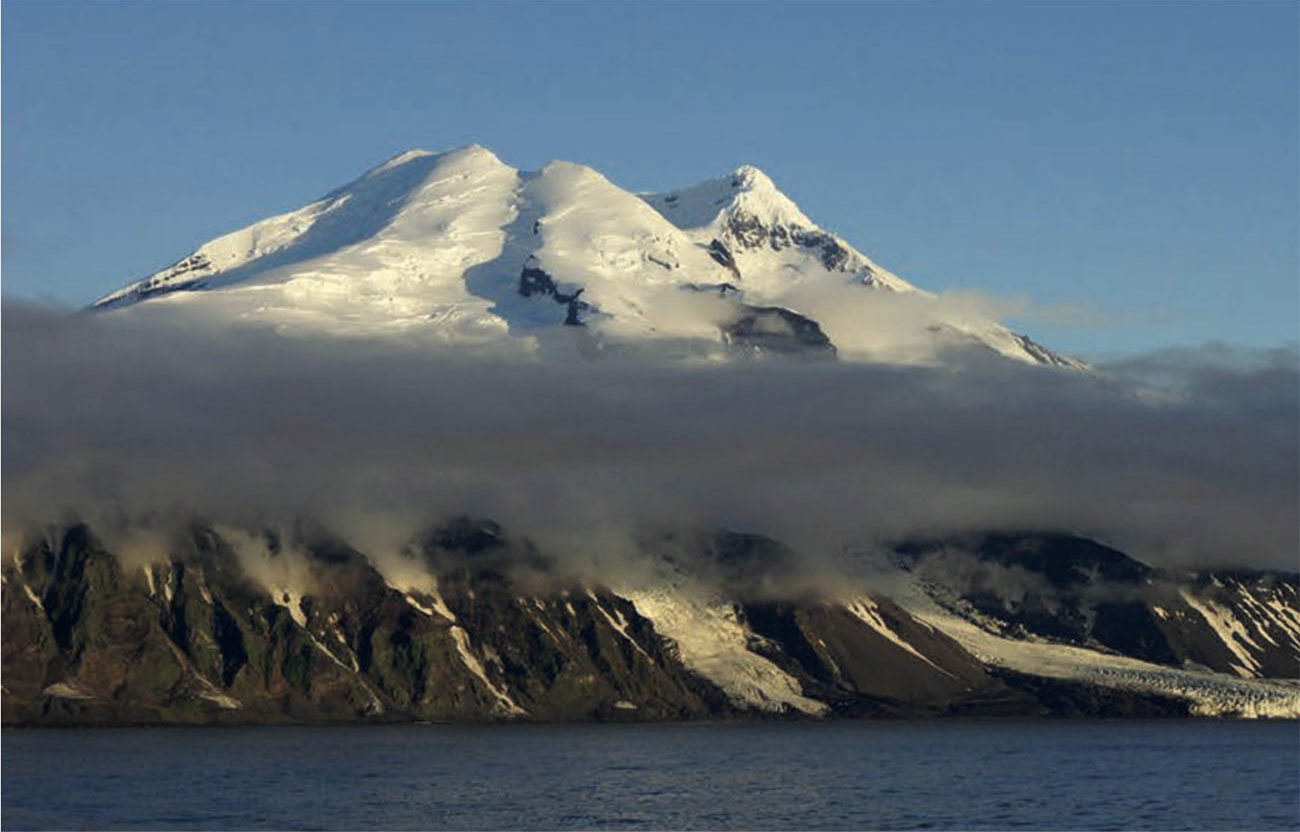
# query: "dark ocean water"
{"points": [[840, 775]]}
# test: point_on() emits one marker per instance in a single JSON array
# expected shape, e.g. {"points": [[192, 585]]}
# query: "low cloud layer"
{"points": [[1182, 458]]}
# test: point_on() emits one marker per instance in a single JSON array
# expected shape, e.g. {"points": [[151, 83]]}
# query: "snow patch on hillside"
{"points": [[419, 586], [504, 704], [1230, 631], [282, 570], [618, 623], [65, 690], [215, 695], [868, 611], [31, 596]]}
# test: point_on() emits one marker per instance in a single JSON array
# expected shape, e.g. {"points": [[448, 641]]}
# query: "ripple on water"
{"points": [[1045, 775]]}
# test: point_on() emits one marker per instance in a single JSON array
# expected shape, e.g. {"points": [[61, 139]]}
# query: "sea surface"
{"points": [[786, 775]]}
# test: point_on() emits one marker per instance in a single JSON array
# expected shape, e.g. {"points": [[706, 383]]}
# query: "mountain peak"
{"points": [[758, 196], [473, 150], [570, 171], [749, 178], [468, 154], [461, 246], [746, 190], [400, 159]]}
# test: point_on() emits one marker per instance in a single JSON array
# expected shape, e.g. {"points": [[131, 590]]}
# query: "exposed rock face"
{"points": [[841, 659], [210, 634], [773, 329], [185, 275], [196, 639], [748, 231], [1079, 592], [753, 329], [534, 280], [718, 251], [1043, 355]]}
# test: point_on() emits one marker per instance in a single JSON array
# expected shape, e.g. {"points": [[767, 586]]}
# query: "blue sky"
{"points": [[1138, 162]]}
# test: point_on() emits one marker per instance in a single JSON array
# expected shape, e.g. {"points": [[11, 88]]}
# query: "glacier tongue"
{"points": [[712, 642]]}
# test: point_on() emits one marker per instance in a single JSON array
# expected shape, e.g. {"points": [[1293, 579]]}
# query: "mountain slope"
{"points": [[460, 246], [650, 605], [273, 626]]}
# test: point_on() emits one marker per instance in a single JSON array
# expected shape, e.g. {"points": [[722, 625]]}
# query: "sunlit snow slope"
{"points": [[462, 247]]}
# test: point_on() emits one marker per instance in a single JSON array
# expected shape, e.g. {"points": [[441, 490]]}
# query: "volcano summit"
{"points": [[459, 246]]}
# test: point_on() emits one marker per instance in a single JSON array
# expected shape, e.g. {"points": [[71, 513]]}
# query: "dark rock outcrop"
{"points": [[197, 266], [1043, 355], [534, 280], [749, 232], [718, 251], [774, 329]]}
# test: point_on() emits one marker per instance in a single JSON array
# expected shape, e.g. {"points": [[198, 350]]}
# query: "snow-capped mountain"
{"points": [[278, 607], [462, 247]]}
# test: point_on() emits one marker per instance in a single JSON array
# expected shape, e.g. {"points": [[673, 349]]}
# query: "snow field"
{"points": [[432, 245]]}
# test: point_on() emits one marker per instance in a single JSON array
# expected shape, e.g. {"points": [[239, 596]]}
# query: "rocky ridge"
{"points": [[218, 632]]}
